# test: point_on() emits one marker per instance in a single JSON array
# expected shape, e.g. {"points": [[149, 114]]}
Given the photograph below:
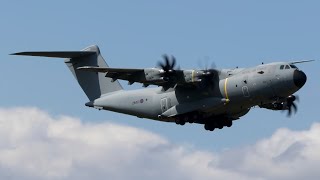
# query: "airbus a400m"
{"points": [[213, 97]]}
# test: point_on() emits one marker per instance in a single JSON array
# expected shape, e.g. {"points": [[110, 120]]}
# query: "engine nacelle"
{"points": [[191, 76], [153, 74]]}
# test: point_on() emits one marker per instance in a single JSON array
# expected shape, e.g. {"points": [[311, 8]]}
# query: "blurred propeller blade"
{"points": [[291, 105], [173, 62], [168, 66], [294, 107]]}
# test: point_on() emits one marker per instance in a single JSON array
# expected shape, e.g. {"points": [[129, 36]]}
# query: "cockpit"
{"points": [[288, 66]]}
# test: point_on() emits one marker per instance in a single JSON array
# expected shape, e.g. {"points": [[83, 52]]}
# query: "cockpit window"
{"points": [[293, 66], [281, 67], [287, 67]]}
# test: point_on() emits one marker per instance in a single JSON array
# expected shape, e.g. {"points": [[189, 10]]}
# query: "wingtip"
{"points": [[302, 61], [19, 53]]}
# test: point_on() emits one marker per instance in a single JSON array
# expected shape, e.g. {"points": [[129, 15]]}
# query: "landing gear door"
{"points": [[164, 104]]}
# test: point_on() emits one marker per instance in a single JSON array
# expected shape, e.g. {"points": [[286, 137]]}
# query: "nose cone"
{"points": [[299, 78]]}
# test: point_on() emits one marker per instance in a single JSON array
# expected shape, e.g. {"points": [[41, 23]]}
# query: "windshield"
{"points": [[293, 66]]}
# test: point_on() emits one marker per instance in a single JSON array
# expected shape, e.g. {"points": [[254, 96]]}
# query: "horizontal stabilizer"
{"points": [[56, 54]]}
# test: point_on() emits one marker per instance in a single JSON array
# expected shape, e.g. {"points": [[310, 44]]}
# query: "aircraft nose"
{"points": [[299, 78]]}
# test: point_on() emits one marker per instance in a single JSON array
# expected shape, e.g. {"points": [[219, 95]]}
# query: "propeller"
{"points": [[204, 64], [291, 105], [168, 66], [208, 67]]}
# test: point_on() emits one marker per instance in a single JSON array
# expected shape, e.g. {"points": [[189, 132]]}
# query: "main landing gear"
{"points": [[190, 118], [210, 126]]}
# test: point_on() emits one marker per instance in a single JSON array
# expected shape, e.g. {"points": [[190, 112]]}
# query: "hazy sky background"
{"points": [[134, 34]]}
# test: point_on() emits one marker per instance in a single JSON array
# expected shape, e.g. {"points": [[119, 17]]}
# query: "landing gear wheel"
{"points": [[191, 121], [209, 127], [206, 126], [218, 124], [229, 123], [188, 119], [180, 121]]}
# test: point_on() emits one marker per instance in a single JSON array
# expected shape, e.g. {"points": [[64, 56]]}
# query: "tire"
{"points": [[206, 127], [191, 121], [182, 123], [209, 127], [229, 123]]}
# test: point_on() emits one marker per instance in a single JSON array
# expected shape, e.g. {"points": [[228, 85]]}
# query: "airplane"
{"points": [[213, 97]]}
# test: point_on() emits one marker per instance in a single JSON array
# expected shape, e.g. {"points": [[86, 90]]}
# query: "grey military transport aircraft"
{"points": [[210, 96]]}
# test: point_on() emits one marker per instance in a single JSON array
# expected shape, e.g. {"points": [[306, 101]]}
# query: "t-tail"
{"points": [[93, 84]]}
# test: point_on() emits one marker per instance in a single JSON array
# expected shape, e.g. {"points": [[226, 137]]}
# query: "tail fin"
{"points": [[93, 84]]}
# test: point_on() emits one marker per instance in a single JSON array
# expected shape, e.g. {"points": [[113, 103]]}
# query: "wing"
{"points": [[156, 76], [110, 70], [302, 61], [151, 76], [58, 54]]}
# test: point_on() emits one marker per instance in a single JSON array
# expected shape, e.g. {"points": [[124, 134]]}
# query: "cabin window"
{"points": [[282, 66], [287, 67]]}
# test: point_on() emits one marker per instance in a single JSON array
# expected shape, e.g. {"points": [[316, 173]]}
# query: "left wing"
{"points": [[156, 76], [151, 76]]}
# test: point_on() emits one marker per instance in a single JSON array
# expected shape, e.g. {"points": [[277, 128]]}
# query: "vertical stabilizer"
{"points": [[93, 84]]}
